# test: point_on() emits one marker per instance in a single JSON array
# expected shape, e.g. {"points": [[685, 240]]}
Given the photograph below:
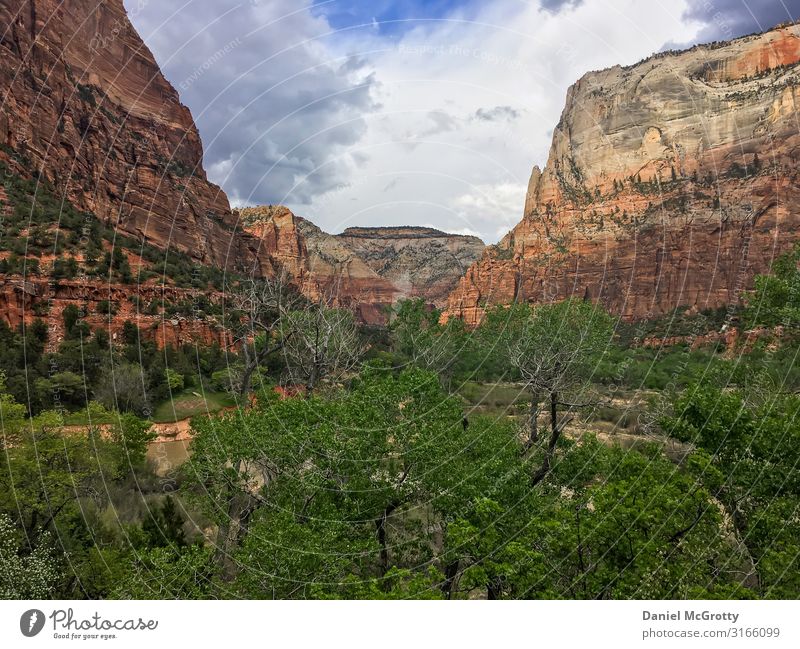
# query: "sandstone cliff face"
{"points": [[420, 262], [367, 269], [669, 183], [23, 300], [322, 266], [84, 100], [344, 279]]}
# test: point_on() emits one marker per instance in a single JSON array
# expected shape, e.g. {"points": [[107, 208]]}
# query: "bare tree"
{"points": [[258, 309], [122, 387], [321, 343], [554, 351]]}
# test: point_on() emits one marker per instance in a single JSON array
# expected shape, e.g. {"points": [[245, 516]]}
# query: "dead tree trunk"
{"points": [[555, 433], [533, 436], [380, 527]]}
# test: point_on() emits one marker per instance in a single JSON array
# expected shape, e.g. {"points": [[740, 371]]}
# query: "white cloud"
{"points": [[276, 105], [493, 208], [441, 124], [497, 86]]}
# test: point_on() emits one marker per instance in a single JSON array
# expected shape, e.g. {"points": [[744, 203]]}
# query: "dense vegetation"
{"points": [[38, 223], [130, 375], [380, 473]]}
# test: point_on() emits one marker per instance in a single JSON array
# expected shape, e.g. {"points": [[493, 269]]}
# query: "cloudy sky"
{"points": [[404, 112]]}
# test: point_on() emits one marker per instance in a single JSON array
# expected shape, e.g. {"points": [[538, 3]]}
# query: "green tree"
{"points": [[555, 351], [776, 299], [752, 466], [164, 524], [123, 387], [611, 523], [12, 417], [317, 495], [72, 318], [175, 380], [418, 337], [65, 268], [25, 574], [131, 437], [168, 572]]}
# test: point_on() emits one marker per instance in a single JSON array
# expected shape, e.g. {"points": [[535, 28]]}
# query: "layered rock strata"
{"points": [[669, 183]]}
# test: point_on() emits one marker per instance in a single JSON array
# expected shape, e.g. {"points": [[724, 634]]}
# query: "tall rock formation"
{"points": [[669, 183], [83, 99]]}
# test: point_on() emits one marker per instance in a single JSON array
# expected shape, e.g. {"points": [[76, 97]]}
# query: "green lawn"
{"points": [[189, 403]]}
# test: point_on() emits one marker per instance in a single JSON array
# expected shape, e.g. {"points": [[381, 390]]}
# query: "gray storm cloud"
{"points": [[275, 108], [726, 19]]}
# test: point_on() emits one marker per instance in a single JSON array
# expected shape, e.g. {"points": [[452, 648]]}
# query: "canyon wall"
{"points": [[366, 269], [420, 262], [84, 102], [669, 183], [23, 300]]}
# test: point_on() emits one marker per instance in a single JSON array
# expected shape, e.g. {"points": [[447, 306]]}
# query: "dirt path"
{"points": [[177, 431]]}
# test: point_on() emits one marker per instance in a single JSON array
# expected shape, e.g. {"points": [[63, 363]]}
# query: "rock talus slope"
{"points": [[669, 183]]}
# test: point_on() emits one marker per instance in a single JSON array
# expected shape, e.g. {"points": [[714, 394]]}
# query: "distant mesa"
{"points": [[367, 268]]}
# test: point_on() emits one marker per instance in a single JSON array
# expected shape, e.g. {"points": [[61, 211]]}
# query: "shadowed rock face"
{"points": [[669, 183], [84, 100]]}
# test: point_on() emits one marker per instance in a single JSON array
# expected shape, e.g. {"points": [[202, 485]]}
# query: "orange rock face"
{"points": [[364, 269], [320, 264], [669, 183], [85, 101], [21, 301]]}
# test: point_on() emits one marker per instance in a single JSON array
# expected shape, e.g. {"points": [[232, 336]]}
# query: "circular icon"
{"points": [[31, 622]]}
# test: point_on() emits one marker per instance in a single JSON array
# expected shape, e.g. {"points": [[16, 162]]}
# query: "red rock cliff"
{"points": [[669, 183], [367, 269], [82, 97]]}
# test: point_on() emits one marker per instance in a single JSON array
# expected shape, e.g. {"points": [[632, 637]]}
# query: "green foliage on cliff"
{"points": [[776, 299], [40, 222]]}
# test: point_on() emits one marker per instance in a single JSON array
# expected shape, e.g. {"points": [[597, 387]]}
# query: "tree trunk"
{"points": [[555, 433], [240, 507], [380, 527], [534, 419], [247, 376], [450, 574], [313, 377]]}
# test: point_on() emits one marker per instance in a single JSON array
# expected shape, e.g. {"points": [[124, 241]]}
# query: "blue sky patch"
{"points": [[393, 16]]}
